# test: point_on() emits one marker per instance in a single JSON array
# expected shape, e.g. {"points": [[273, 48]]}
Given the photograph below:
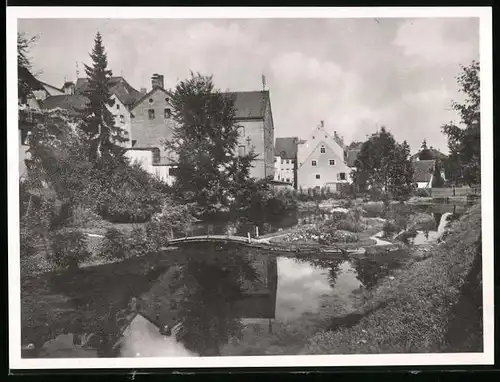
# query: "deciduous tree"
{"points": [[204, 143], [464, 139]]}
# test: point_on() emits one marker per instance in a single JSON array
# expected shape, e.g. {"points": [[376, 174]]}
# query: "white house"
{"points": [[321, 161]]}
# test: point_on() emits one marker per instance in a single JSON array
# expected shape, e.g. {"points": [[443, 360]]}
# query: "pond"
{"points": [[219, 301], [206, 300]]}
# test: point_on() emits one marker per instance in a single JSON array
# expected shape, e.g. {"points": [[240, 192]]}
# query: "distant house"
{"points": [[46, 91], [322, 161], [423, 173], [285, 160], [433, 154]]}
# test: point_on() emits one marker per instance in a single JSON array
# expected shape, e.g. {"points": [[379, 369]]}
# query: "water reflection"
{"points": [[220, 300]]}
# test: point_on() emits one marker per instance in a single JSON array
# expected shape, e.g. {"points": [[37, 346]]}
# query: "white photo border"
{"points": [[486, 50]]}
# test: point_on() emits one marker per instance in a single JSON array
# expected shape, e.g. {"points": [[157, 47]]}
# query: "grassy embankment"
{"points": [[433, 305]]}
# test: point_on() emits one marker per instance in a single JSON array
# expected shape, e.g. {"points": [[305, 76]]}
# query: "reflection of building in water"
{"points": [[259, 296]]}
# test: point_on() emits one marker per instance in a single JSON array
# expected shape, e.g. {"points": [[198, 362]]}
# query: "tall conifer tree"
{"points": [[98, 122]]}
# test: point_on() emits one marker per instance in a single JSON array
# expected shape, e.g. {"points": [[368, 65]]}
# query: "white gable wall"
{"points": [[329, 175]]}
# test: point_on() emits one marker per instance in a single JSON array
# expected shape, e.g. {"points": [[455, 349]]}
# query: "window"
{"points": [[241, 150], [117, 107], [151, 113], [156, 156], [275, 160], [322, 149], [282, 161], [122, 118], [288, 180], [134, 141], [291, 161], [318, 176], [314, 137], [342, 176], [313, 163], [151, 100], [167, 113], [167, 100], [332, 162]]}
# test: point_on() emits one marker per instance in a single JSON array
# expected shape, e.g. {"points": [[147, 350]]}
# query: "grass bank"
{"points": [[421, 308]]}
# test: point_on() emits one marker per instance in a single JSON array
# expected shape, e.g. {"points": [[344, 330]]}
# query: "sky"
{"points": [[354, 74]]}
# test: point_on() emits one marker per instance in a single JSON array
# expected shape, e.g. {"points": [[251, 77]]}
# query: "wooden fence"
{"points": [[446, 192]]}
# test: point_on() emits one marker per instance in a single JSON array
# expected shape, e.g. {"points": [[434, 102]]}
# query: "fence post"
{"points": [[248, 235], [256, 231]]}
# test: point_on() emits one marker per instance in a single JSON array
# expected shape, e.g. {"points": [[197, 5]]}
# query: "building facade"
{"points": [[255, 120], [322, 161], [285, 160]]}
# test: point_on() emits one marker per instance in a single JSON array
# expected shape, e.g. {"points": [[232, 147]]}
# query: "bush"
{"points": [[389, 228], [115, 245], [349, 225], [83, 216], [69, 249], [174, 218]]}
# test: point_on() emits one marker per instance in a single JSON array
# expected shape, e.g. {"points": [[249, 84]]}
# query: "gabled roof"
{"points": [[436, 154], [117, 86], [286, 148], [142, 97], [352, 156], [423, 170], [72, 103], [250, 104], [25, 75], [51, 86]]}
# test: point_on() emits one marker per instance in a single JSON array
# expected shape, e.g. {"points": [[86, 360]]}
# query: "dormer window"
{"points": [[117, 107], [314, 163], [332, 162], [322, 149]]}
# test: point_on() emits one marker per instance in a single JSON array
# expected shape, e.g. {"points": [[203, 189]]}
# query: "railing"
{"points": [[446, 192]]}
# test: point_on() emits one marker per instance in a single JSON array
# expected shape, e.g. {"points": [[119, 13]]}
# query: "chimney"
{"points": [[69, 88], [144, 90], [322, 123], [157, 81]]}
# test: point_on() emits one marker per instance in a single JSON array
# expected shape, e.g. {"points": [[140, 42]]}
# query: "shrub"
{"points": [[115, 245], [349, 225], [69, 249], [138, 241], [389, 228], [83, 216], [174, 218]]}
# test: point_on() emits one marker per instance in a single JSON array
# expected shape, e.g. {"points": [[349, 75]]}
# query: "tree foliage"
{"points": [[384, 166], [204, 144], [464, 140], [98, 121], [425, 153], [24, 43]]}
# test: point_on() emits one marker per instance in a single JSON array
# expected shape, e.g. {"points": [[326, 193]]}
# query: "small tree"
{"points": [[98, 121], [209, 173], [437, 178], [425, 153]]}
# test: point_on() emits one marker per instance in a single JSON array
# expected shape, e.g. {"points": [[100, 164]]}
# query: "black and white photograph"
{"points": [[230, 187]]}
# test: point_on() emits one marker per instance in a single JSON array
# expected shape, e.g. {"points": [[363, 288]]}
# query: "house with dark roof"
{"points": [[432, 153], [423, 173], [152, 124], [285, 160]]}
